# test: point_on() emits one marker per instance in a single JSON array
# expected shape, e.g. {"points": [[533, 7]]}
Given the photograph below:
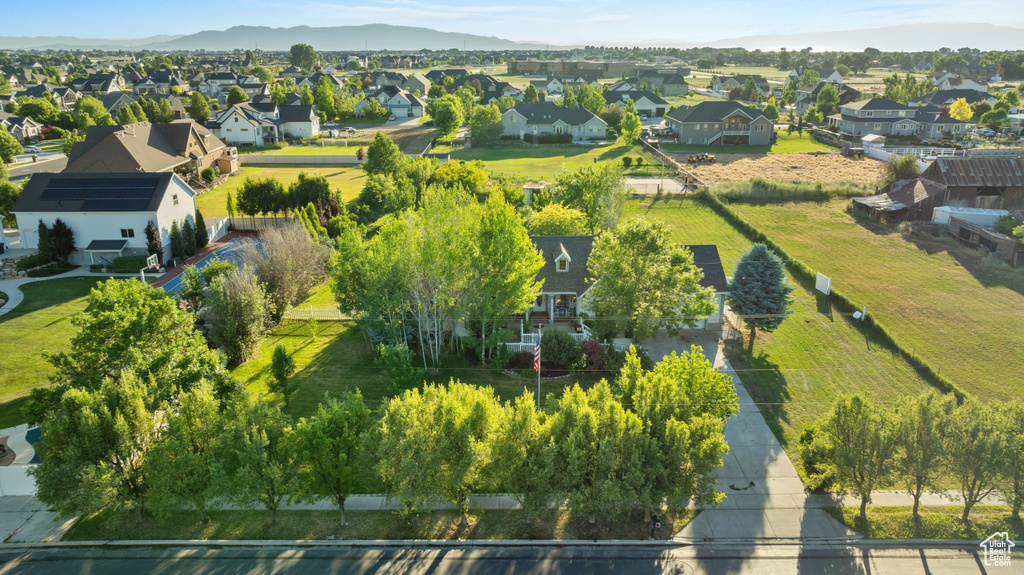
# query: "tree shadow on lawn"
{"points": [[971, 260], [765, 383]]}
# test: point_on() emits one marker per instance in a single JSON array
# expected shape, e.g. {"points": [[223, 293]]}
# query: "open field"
{"points": [[822, 167], [296, 525], [348, 180], [40, 324], [786, 144], [541, 162], [956, 312], [936, 522], [796, 373]]}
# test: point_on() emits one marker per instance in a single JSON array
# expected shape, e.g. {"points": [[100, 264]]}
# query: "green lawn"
{"points": [[316, 150], [962, 316], [305, 525], [541, 162], [936, 522], [39, 324], [786, 144], [796, 373], [348, 180]]}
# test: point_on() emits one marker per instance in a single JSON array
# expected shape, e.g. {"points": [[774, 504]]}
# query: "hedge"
{"points": [[806, 275], [129, 264], [50, 270], [32, 261]]}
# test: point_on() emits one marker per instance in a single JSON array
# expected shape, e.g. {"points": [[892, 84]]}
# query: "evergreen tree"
{"points": [[45, 243], [125, 116], [230, 205], [759, 292], [177, 243], [62, 238], [282, 366], [202, 235], [188, 237], [153, 241]]}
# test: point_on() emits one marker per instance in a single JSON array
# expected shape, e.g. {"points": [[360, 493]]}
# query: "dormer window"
{"points": [[563, 259], [563, 265]]}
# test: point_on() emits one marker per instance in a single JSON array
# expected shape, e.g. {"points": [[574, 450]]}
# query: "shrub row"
{"points": [[34, 260], [50, 270], [761, 189], [129, 264], [803, 273]]}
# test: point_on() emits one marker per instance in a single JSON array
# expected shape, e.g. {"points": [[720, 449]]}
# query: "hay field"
{"points": [[830, 167]]}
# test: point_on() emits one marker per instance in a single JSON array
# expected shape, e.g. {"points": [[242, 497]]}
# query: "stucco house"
{"points": [[540, 118], [721, 122], [108, 213], [399, 102]]}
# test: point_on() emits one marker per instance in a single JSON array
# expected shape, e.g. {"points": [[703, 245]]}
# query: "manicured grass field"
{"points": [[796, 373], [348, 180], [936, 522], [38, 325], [959, 314], [786, 144], [298, 525], [541, 163], [315, 150]]}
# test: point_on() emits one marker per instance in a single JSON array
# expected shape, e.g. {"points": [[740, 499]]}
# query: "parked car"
{"points": [[983, 131], [392, 118], [32, 150], [350, 130]]}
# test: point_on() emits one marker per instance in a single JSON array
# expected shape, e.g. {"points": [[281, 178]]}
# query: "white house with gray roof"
{"points": [[541, 118], [885, 117], [721, 122]]}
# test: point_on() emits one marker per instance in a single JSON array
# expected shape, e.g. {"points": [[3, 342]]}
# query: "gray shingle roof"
{"points": [[876, 104], [549, 113], [706, 258], [121, 192], [619, 97], [712, 111], [577, 279]]}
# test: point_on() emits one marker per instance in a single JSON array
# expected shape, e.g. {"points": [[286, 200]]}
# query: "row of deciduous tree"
{"points": [[921, 444], [141, 415]]}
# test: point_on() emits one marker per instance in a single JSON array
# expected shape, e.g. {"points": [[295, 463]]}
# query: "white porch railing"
{"points": [[329, 314]]}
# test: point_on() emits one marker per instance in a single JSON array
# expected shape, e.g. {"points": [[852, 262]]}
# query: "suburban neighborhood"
{"points": [[509, 306]]}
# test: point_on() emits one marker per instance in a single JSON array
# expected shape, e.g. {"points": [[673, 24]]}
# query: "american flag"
{"points": [[536, 356]]}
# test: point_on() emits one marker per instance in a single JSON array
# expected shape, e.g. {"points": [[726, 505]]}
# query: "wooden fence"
{"points": [[678, 170], [258, 223]]}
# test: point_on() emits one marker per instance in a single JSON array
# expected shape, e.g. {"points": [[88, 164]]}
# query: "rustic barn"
{"points": [[994, 183], [987, 240], [903, 200]]}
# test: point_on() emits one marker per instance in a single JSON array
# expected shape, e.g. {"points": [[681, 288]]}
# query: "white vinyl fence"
{"points": [[303, 314]]}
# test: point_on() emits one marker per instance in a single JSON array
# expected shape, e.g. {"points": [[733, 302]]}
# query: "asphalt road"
{"points": [[495, 561], [51, 163]]}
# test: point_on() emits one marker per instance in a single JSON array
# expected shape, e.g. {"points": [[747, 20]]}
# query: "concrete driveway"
{"points": [[765, 497]]}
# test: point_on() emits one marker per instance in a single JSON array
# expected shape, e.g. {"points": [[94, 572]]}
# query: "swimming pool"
{"points": [[229, 252]]}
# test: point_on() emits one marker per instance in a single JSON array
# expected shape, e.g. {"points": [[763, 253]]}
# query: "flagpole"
{"points": [[539, 325]]}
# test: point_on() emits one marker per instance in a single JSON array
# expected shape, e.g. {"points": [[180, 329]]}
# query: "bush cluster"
{"points": [[129, 264]]}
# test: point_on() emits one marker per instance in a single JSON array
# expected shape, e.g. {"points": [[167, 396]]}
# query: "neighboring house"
{"points": [[161, 82], [945, 98], [567, 279], [25, 130], [290, 99], [884, 117], [387, 78], [66, 97], [395, 100], [825, 74], [292, 72], [183, 147], [958, 82], [437, 76], [314, 81], [988, 183], [114, 101], [99, 83], [252, 124], [416, 84], [807, 96], [215, 84], [721, 122], [646, 103], [725, 84], [108, 213], [540, 118], [675, 85]]}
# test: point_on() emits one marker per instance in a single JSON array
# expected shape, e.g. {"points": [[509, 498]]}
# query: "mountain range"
{"points": [[905, 37]]}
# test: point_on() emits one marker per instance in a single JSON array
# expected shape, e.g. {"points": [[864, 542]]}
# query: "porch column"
{"points": [[551, 308]]}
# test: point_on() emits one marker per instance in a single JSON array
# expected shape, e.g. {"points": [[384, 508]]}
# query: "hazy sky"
{"points": [[554, 21]]}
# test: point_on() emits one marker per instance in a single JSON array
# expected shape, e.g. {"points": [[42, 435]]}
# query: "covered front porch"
{"points": [[552, 307]]}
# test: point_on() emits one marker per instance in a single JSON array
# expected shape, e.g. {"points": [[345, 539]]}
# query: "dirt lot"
{"points": [[829, 167]]}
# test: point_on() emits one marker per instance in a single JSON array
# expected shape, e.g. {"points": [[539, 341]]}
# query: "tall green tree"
{"points": [[646, 282], [44, 244], [919, 454], [9, 147], [598, 191], [383, 156], [254, 463], [239, 311], [631, 127], [202, 234], [759, 292], [95, 444], [439, 442], [974, 451], [828, 99], [236, 95], [125, 116], [62, 238], [308, 99], [447, 114], [503, 268], [903, 167], [862, 447], [486, 126], [325, 98], [302, 56], [199, 109], [1011, 423], [177, 241], [188, 237], [262, 74], [329, 447], [282, 367], [558, 220], [530, 94], [181, 463]]}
